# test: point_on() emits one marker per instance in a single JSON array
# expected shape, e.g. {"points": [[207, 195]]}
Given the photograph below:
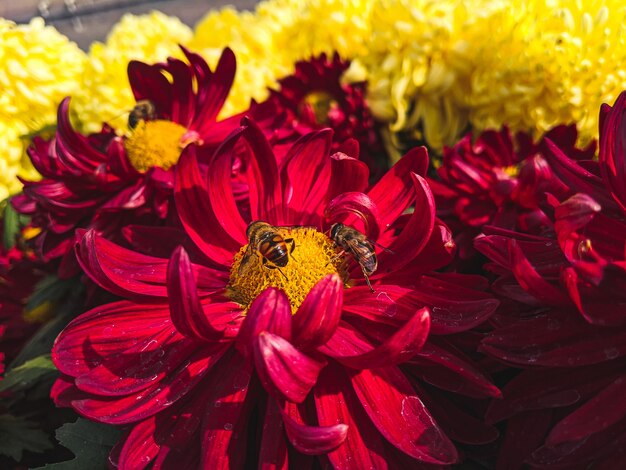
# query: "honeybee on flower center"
{"points": [[144, 110], [350, 240], [266, 241]]}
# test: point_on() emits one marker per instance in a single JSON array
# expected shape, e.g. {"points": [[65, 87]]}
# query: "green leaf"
{"points": [[68, 307], [28, 374], [18, 435], [90, 442], [50, 289], [11, 226]]}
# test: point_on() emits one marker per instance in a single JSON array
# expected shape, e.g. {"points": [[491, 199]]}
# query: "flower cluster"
{"points": [[238, 254], [39, 67]]}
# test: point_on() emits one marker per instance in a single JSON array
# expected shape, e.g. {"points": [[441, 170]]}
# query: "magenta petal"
{"points": [[400, 415], [196, 212], [395, 191], [313, 440], [138, 367], [285, 372], [270, 312], [347, 175], [265, 190], [221, 194], [531, 281], [357, 206], [612, 155], [224, 425], [603, 410], [336, 404], [306, 175], [213, 88], [136, 407], [320, 312], [121, 271], [399, 347], [273, 454], [130, 324], [415, 235], [450, 370], [187, 313], [139, 447]]}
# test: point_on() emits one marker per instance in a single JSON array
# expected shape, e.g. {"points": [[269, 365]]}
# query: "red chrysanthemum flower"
{"points": [[104, 181], [498, 181], [213, 360], [569, 326], [315, 97]]}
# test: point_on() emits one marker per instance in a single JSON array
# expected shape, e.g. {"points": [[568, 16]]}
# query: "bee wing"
{"points": [[244, 260]]}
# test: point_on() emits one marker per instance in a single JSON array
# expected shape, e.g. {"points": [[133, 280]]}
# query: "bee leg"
{"points": [[367, 279], [272, 266], [293, 246], [336, 257]]}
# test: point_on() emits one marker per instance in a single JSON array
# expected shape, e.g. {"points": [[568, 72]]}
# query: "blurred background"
{"points": [[85, 21]]}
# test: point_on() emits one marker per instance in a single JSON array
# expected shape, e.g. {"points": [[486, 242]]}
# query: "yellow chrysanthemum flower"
{"points": [[38, 67], [105, 94], [311, 27], [252, 39], [435, 68]]}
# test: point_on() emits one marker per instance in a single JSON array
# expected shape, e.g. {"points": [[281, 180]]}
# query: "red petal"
{"points": [[415, 235], [213, 88], [612, 155], [138, 367], [273, 455], [306, 175], [603, 410], [531, 281], [347, 175], [360, 209], [123, 272], [196, 212], [395, 190], [320, 312], [220, 192], [136, 407], [270, 312], [224, 425], [447, 368], [265, 189], [139, 448], [187, 313], [285, 372], [336, 404], [399, 347], [107, 331], [560, 339], [400, 415], [313, 440], [524, 433]]}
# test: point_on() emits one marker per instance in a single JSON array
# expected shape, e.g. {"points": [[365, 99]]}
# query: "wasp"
{"points": [[269, 245], [144, 110], [350, 240]]}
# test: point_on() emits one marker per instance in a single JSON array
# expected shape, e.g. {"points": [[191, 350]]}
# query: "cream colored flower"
{"points": [[38, 67], [105, 94], [252, 38]]}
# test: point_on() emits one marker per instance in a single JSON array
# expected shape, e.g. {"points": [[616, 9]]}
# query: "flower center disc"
{"points": [[311, 260], [320, 103], [155, 143]]}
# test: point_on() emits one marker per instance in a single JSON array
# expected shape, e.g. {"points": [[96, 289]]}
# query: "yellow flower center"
{"points": [[512, 170], [313, 258], [155, 143], [321, 103]]}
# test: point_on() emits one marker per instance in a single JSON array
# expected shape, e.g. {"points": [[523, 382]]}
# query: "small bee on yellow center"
{"points": [[313, 257]]}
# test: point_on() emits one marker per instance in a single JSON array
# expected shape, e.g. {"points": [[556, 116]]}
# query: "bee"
{"points": [[144, 110], [361, 248], [269, 245]]}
